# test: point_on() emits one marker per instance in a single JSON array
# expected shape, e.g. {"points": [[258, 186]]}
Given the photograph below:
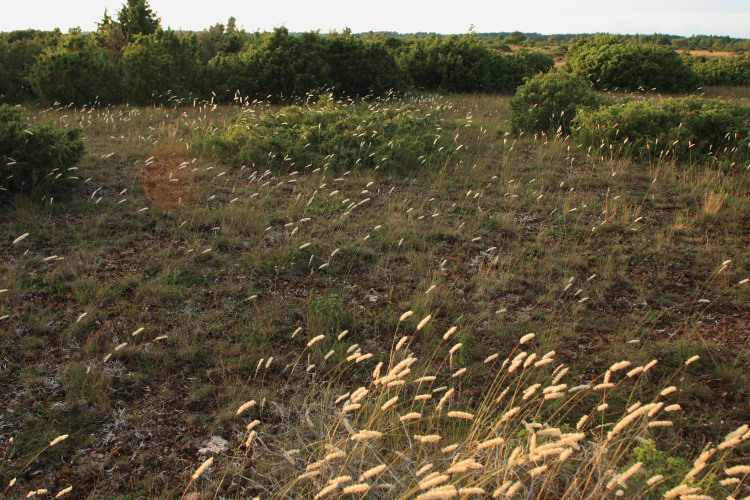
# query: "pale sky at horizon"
{"points": [[677, 17]]}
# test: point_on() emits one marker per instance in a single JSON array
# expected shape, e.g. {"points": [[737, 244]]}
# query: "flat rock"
{"points": [[216, 444]]}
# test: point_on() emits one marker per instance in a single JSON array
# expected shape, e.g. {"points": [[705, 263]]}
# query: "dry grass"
{"points": [[142, 330], [168, 177], [516, 442], [710, 53]]}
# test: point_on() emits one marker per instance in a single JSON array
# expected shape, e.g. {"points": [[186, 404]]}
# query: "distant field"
{"points": [[166, 297], [709, 53]]}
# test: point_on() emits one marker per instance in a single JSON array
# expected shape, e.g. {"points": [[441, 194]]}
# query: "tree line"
{"points": [[132, 58]]}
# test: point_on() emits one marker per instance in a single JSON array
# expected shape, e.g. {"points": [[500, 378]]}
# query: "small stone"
{"points": [[216, 444]]}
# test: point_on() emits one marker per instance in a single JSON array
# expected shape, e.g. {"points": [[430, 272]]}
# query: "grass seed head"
{"points": [[200, 470]]}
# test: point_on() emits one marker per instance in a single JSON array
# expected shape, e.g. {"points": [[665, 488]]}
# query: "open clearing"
{"points": [[145, 305]]}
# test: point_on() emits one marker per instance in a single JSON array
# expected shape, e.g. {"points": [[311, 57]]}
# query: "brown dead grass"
{"points": [[167, 177], [709, 53]]}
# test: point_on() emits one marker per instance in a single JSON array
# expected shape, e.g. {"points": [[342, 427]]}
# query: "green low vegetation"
{"points": [[610, 62], [680, 128], [549, 102], [34, 159], [721, 70], [335, 136]]}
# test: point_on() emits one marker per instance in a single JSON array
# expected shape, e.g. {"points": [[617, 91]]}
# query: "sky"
{"points": [[677, 17]]}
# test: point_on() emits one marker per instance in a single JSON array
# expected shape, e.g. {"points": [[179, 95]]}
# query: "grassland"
{"points": [[163, 290]]}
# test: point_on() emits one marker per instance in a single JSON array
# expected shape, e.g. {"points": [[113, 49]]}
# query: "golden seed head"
{"points": [[315, 339], [668, 391], [245, 406], [526, 338], [619, 366], [389, 403], [431, 438], [655, 479], [365, 435], [424, 321], [461, 414], [374, 471], [58, 439], [737, 470], [405, 316], [450, 332], [410, 416], [205, 465], [356, 488], [64, 492]]}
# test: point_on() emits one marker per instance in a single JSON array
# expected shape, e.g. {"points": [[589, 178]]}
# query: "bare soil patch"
{"points": [[167, 177]]}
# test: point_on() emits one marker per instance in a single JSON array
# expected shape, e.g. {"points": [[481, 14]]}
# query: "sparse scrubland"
{"points": [[294, 272], [395, 298]]}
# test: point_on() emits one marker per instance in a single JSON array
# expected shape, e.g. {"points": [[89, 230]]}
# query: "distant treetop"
{"points": [[137, 18]]}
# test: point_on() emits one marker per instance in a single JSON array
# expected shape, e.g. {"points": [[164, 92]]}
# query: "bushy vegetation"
{"points": [[549, 102], [161, 65], [131, 58], [76, 71], [282, 66], [676, 127], [610, 62], [463, 64], [18, 53], [721, 70], [34, 159], [334, 135]]}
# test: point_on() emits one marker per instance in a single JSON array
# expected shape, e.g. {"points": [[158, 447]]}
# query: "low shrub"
{"points": [[18, 53], [159, 65], [549, 102], [676, 127], [333, 135], [76, 71], [721, 70], [34, 159], [281, 66], [464, 64], [610, 62]]}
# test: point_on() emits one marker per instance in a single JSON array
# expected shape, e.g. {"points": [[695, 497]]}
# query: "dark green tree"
{"points": [[75, 71], [137, 18], [18, 53], [162, 65], [218, 38], [110, 35]]}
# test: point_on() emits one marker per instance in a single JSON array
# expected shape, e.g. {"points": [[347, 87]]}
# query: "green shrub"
{"points": [[18, 52], [333, 135], [34, 159], [721, 70], [549, 102], [656, 461], [76, 71], [464, 64], [282, 66], [160, 65], [677, 127], [610, 62]]}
